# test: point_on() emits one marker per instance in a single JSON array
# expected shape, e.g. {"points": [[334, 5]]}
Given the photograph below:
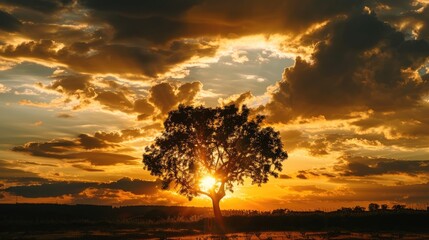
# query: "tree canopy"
{"points": [[223, 142]]}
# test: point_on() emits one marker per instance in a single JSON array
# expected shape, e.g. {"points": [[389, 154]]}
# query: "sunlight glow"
{"points": [[207, 183]]}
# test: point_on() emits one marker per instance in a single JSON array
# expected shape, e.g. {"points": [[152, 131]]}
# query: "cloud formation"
{"points": [[100, 149], [362, 64], [366, 166], [104, 58], [8, 23], [58, 189]]}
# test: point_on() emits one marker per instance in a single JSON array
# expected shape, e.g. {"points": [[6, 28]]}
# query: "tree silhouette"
{"points": [[223, 145], [373, 207]]}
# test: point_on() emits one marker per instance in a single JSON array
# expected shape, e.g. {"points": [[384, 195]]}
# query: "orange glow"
{"points": [[207, 183]]}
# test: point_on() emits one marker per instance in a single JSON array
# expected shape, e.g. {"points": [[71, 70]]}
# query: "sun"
{"points": [[207, 183]]}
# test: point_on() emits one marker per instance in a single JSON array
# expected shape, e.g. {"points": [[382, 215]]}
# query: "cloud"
{"points": [[403, 124], [238, 99], [87, 168], [284, 176], [101, 158], [146, 39], [114, 100], [110, 95], [64, 115], [100, 149], [301, 176], [362, 64], [4, 89], [72, 84], [9, 173], [104, 58], [367, 166], [90, 142], [9, 23], [410, 17], [48, 190], [193, 18], [358, 191], [58, 189], [144, 108], [166, 96], [139, 8], [74, 154], [44, 6]]}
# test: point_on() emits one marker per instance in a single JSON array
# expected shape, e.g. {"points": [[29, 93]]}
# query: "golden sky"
{"points": [[86, 84]]}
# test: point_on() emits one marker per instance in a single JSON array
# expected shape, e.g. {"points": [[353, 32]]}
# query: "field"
{"points": [[50, 221]]}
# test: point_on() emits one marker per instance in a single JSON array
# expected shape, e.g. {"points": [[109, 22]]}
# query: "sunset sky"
{"points": [[86, 84]]}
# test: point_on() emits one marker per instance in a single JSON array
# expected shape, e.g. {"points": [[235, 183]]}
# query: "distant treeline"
{"points": [[14, 217]]}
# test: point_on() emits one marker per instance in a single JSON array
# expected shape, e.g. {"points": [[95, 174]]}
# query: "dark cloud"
{"points": [[114, 100], [362, 64], [162, 98], [411, 17], [58, 189], [73, 152], [284, 176], [366, 166], [144, 108], [352, 167], [52, 147], [9, 23], [44, 6], [101, 158], [138, 8], [98, 149], [136, 186], [301, 176], [81, 87], [119, 136], [90, 142], [420, 19], [87, 168], [64, 115], [166, 96], [406, 124], [48, 190], [100, 57], [237, 100], [316, 144], [11, 174], [73, 84], [164, 21]]}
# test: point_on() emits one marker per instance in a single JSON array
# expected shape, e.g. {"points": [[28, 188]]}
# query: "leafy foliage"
{"points": [[221, 142]]}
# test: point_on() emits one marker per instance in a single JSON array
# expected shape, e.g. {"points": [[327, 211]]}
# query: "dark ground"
{"points": [[52, 221]]}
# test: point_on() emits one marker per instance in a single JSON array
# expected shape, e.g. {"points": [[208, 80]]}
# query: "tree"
{"points": [[205, 151], [358, 209], [373, 207], [398, 207]]}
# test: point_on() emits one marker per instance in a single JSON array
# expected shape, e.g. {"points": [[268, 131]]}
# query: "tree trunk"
{"points": [[218, 214]]}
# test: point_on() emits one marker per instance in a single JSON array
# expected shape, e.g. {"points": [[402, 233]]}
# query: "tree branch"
{"points": [[203, 193]]}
